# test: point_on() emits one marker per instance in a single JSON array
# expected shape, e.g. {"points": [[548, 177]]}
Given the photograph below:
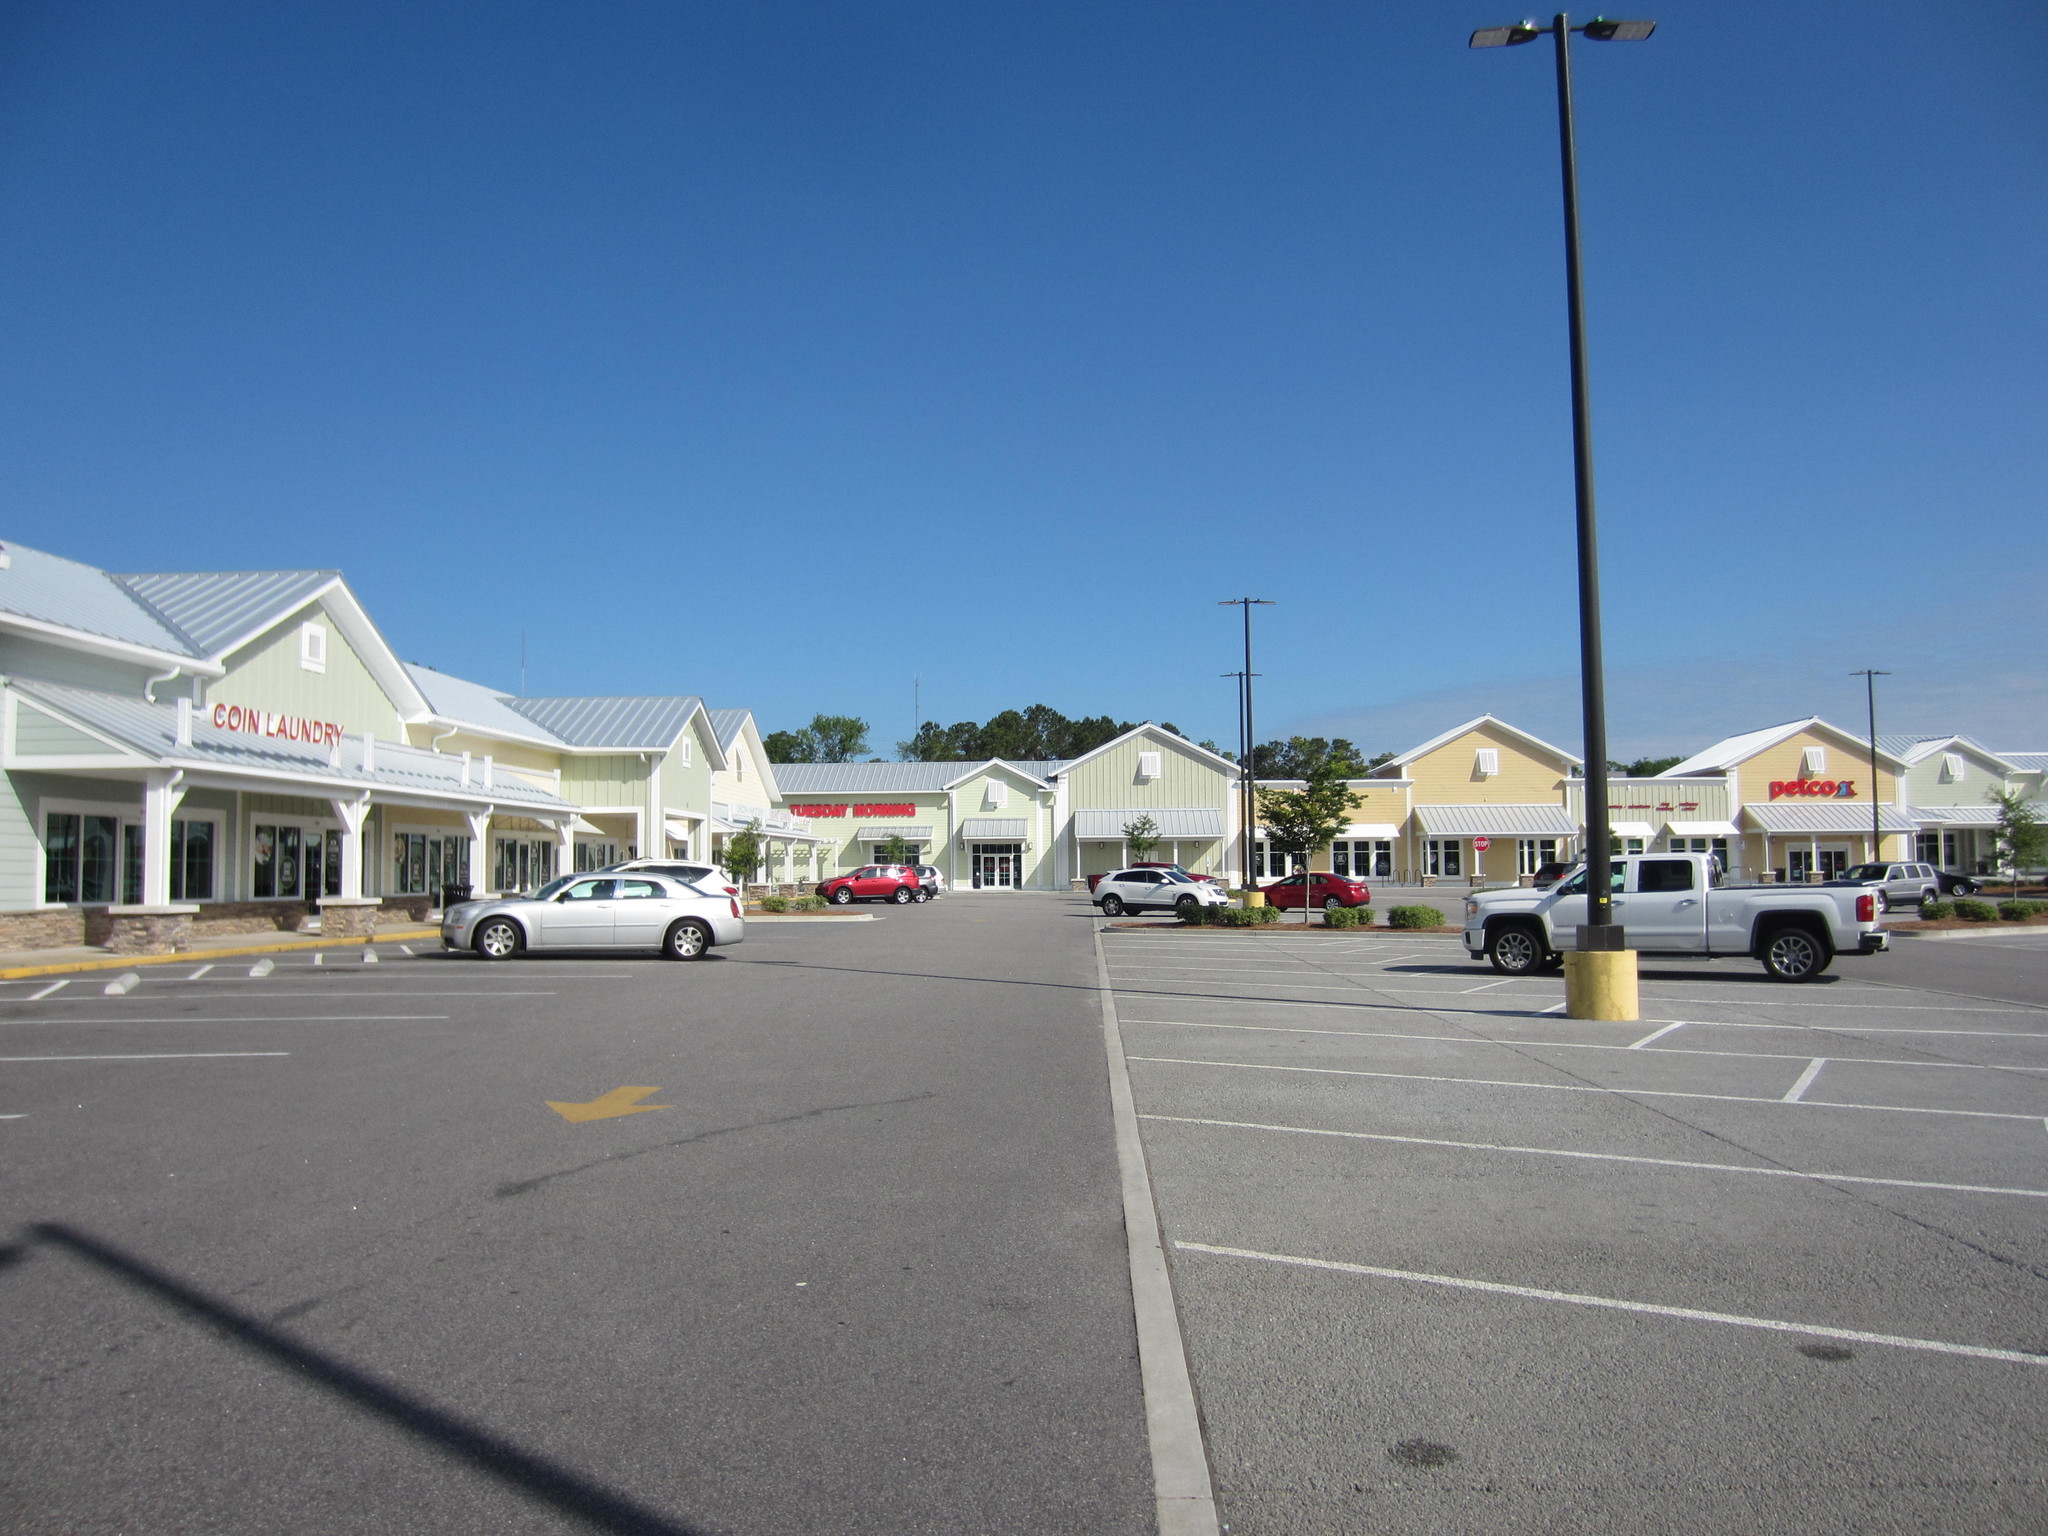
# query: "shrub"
{"points": [[1935, 911], [1414, 917], [1264, 915], [2020, 911], [809, 904], [1341, 917], [1364, 916], [1195, 916], [774, 903], [1976, 911]]}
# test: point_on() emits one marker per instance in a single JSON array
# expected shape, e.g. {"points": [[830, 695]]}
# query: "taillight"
{"points": [[735, 907], [1866, 908]]}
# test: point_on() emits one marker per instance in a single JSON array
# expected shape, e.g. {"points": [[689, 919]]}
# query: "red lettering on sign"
{"points": [[884, 810], [1824, 789], [818, 810], [236, 719]]}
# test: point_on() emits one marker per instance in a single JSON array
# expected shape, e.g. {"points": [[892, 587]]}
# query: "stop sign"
{"points": [[1481, 844]]}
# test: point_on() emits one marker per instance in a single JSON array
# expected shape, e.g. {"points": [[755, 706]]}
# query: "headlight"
{"points": [[1471, 908]]}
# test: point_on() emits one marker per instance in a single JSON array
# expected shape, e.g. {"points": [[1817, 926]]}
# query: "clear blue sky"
{"points": [[783, 352]]}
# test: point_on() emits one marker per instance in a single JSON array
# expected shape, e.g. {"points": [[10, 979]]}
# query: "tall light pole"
{"points": [[1601, 931], [1246, 781], [1870, 675]]}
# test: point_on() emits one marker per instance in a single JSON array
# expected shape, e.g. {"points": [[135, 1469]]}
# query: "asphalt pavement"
{"points": [[309, 1251], [1772, 1260]]}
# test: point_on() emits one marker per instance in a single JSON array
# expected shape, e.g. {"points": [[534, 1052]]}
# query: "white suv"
{"points": [[1155, 890]]}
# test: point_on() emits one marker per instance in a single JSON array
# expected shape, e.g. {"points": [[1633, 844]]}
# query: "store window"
{"points": [[1927, 847], [1627, 844], [192, 848], [1364, 858], [591, 856], [520, 864], [423, 862], [89, 858], [293, 863], [1532, 853], [1446, 858]]}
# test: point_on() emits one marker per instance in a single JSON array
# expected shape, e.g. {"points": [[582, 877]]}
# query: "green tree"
{"points": [[2021, 838], [1299, 821], [1299, 757], [1643, 767], [743, 853], [786, 747], [1141, 837], [836, 738], [897, 850]]}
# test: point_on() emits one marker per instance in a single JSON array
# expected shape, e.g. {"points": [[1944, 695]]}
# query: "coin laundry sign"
{"points": [[261, 722], [1823, 789], [865, 812]]}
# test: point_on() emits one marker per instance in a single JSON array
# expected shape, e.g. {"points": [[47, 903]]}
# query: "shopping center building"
{"points": [[226, 752]]}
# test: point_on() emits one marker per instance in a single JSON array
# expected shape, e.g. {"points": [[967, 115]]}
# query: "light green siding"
{"points": [[1980, 779], [38, 735], [1111, 782], [614, 780], [1023, 800], [265, 674]]}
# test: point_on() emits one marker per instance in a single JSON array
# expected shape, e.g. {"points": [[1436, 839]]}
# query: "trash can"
{"points": [[453, 894]]}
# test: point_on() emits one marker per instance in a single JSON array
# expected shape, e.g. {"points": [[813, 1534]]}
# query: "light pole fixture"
{"points": [[1870, 675], [1246, 790], [1601, 931]]}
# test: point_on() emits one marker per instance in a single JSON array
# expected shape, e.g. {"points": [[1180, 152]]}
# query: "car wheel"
{"points": [[1186, 907], [922, 896], [1332, 903], [901, 896], [687, 940], [1794, 954], [1884, 902], [1929, 895], [1112, 906], [499, 939], [843, 897], [1514, 950], [1553, 961]]}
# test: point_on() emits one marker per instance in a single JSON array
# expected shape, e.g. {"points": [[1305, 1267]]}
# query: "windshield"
{"points": [[553, 887], [1864, 872]]}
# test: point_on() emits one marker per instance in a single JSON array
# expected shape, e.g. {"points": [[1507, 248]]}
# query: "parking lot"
{"points": [[1772, 1259]]}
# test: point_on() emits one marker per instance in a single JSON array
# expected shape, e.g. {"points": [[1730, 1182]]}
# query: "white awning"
{"points": [[995, 829], [1703, 829], [1831, 816], [883, 834], [1186, 823], [679, 830], [1496, 821], [1631, 829], [1373, 829], [1956, 815]]}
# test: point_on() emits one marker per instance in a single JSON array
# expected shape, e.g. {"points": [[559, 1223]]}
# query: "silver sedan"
{"points": [[625, 911]]}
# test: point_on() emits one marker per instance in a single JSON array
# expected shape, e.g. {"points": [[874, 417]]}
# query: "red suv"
{"points": [[1093, 880], [1329, 891], [874, 882]]}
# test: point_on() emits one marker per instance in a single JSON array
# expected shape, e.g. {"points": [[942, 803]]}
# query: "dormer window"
{"points": [[1813, 762], [313, 646], [1487, 765], [1148, 765], [1952, 770]]}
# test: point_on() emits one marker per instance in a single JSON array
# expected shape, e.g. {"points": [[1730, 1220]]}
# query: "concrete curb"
{"points": [[202, 956], [1183, 1495], [822, 917], [1988, 931]]}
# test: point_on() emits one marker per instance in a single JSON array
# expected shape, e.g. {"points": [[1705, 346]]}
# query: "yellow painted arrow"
{"points": [[606, 1106]]}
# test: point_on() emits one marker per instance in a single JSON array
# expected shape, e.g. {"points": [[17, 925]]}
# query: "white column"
{"points": [[480, 850], [351, 814], [566, 859], [161, 792]]}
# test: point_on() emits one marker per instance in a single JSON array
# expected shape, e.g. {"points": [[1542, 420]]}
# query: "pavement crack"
{"points": [[513, 1187]]}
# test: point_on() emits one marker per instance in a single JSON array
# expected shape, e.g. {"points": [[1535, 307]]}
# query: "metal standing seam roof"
{"points": [[71, 595], [1827, 816], [458, 699], [1496, 821], [994, 829], [2026, 762], [891, 778], [1187, 823], [726, 725], [151, 729], [215, 608], [643, 723]]}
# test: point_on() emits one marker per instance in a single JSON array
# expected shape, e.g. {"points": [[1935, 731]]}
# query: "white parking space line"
{"points": [[1612, 1303], [1588, 1045], [53, 987], [1487, 986], [1656, 1035], [407, 948], [159, 1056], [336, 991], [1639, 1093], [199, 973], [1557, 1008], [1798, 1090], [263, 967], [287, 1018], [1604, 1157]]}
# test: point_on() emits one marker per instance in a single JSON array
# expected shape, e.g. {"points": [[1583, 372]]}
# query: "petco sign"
{"points": [[1822, 789]]}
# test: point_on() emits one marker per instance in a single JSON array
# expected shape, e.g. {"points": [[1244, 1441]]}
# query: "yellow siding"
{"points": [[1448, 776], [1845, 760], [265, 674]]}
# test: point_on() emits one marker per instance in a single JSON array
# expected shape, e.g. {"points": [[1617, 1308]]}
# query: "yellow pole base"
{"points": [[1254, 898], [1601, 984]]}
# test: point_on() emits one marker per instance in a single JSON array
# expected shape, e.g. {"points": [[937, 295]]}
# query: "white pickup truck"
{"points": [[1678, 904]]}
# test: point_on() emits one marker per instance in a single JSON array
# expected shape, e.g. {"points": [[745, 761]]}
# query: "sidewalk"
{"points": [[18, 963]]}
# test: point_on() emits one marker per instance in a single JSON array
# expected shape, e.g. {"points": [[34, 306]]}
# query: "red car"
{"points": [[875, 882], [1143, 864], [1329, 891]]}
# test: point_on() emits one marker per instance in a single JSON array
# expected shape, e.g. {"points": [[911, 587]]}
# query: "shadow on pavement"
{"points": [[539, 1479]]}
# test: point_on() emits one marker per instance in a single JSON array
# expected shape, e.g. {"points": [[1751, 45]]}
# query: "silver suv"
{"points": [[1896, 884]]}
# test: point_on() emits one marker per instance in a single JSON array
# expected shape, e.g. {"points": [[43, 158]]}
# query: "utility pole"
{"points": [[1870, 675], [1246, 781]]}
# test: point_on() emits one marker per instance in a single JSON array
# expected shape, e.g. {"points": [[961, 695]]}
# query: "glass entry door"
{"points": [[997, 866]]}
